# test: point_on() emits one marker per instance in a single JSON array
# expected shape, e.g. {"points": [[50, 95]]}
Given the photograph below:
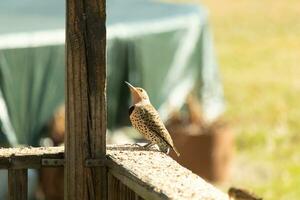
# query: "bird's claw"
{"points": [[146, 146]]}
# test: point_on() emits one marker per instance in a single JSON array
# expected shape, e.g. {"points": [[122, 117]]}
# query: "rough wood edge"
{"points": [[155, 175], [117, 190], [85, 100], [139, 187], [117, 166], [28, 157], [17, 184]]}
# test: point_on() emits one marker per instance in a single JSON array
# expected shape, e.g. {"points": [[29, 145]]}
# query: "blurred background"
{"points": [[224, 76], [258, 50]]}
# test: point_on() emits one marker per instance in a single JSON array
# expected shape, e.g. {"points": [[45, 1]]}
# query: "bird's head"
{"points": [[139, 95]]}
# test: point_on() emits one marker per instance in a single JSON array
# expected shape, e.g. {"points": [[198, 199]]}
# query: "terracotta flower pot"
{"points": [[205, 151]]}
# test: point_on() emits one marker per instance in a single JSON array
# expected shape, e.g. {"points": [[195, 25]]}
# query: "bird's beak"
{"points": [[130, 86], [134, 92]]}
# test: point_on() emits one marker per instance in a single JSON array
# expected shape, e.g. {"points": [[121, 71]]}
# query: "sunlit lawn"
{"points": [[258, 48]]}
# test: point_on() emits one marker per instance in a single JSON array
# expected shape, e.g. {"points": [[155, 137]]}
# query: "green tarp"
{"points": [[165, 48], [32, 88]]}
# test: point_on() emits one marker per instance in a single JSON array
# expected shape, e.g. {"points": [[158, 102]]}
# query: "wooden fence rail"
{"points": [[133, 173], [92, 169]]}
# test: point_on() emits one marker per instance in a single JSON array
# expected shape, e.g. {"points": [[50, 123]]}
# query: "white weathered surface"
{"points": [[30, 151], [162, 174], [150, 173]]}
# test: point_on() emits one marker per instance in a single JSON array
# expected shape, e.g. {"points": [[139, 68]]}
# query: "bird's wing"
{"points": [[151, 117]]}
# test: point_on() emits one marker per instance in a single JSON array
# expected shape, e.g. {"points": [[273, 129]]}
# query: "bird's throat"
{"points": [[143, 102]]}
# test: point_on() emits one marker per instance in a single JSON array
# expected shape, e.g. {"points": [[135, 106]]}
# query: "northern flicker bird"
{"points": [[241, 194], [145, 118]]}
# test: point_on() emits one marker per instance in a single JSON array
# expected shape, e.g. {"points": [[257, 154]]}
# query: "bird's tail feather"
{"points": [[176, 151]]}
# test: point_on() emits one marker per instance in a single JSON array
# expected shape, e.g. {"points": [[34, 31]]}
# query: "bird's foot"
{"points": [[146, 146], [142, 144]]}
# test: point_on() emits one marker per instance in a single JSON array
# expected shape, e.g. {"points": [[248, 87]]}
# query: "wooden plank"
{"points": [[155, 175], [141, 188], [85, 99], [150, 174], [17, 184], [118, 190], [24, 158]]}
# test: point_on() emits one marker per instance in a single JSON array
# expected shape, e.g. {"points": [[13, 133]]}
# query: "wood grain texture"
{"points": [[155, 175], [137, 173], [17, 184], [85, 99], [118, 190], [29, 157]]}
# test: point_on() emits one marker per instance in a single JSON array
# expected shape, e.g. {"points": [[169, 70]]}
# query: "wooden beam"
{"points": [[85, 99], [17, 184], [154, 175], [121, 180], [134, 173], [24, 158], [117, 190]]}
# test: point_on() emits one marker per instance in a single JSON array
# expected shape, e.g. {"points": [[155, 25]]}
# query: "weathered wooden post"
{"points": [[17, 184], [85, 100]]}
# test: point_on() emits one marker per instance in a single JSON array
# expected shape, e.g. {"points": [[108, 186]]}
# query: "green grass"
{"points": [[258, 48]]}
